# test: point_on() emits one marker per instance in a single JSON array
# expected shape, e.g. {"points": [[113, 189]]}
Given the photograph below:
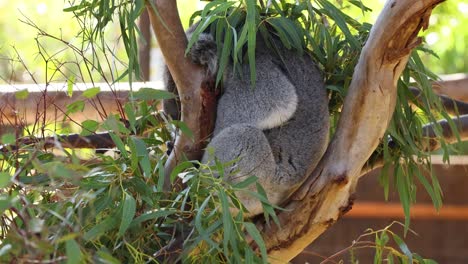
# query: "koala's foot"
{"points": [[250, 148]]}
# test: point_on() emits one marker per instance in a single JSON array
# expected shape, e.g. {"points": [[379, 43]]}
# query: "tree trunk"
{"points": [[194, 87]]}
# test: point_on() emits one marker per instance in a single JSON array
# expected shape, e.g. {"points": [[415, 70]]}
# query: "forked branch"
{"points": [[368, 108]]}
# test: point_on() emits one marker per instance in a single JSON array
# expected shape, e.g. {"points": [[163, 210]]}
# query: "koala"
{"points": [[275, 130]]}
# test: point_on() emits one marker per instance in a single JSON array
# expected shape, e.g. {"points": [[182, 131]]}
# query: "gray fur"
{"points": [[276, 130], [203, 52]]}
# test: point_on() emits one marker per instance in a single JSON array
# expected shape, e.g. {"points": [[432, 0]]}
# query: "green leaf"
{"points": [[245, 183], [249, 256], [102, 227], [205, 233], [404, 194], [359, 4], [268, 208], [404, 248], [255, 234], [339, 18], [239, 44], [5, 179], [119, 144], [91, 92], [161, 178], [70, 83], [72, 8], [180, 168], [225, 51], [106, 258], [22, 94], [153, 216], [390, 259], [429, 189], [184, 128], [4, 203], [285, 26], [59, 170], [152, 94], [131, 116], [227, 221], [418, 258], [128, 212], [73, 252], [89, 127], [380, 241], [115, 125], [251, 39], [77, 106], [140, 151], [8, 138]]}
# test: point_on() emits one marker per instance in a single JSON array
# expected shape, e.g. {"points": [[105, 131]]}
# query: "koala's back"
{"points": [[300, 141], [275, 130]]}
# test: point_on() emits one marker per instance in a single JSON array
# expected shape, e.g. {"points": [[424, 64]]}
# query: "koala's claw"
{"points": [[169, 147]]}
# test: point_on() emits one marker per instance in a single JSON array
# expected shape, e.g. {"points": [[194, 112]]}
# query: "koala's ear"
{"points": [[204, 52]]}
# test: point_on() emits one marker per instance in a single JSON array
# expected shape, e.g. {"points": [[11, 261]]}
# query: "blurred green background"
{"points": [[447, 36], [20, 42]]}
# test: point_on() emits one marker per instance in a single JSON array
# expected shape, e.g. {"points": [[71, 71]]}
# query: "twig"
{"points": [[95, 141]]}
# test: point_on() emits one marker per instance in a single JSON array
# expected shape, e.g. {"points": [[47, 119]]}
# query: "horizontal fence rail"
{"points": [[51, 102]]}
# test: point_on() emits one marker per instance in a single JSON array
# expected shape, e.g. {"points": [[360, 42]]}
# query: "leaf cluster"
{"points": [[112, 209]]}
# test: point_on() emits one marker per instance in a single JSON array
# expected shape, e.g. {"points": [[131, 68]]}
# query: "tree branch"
{"points": [[454, 86], [431, 141], [368, 108], [94, 141], [195, 88], [452, 106]]}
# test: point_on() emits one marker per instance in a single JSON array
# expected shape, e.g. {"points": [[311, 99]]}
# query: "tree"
{"points": [[366, 113], [367, 118]]}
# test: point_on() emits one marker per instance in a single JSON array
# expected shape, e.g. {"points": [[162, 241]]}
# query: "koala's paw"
{"points": [[204, 52], [169, 147]]}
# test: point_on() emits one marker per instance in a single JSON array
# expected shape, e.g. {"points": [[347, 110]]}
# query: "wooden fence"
{"points": [[49, 103]]}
